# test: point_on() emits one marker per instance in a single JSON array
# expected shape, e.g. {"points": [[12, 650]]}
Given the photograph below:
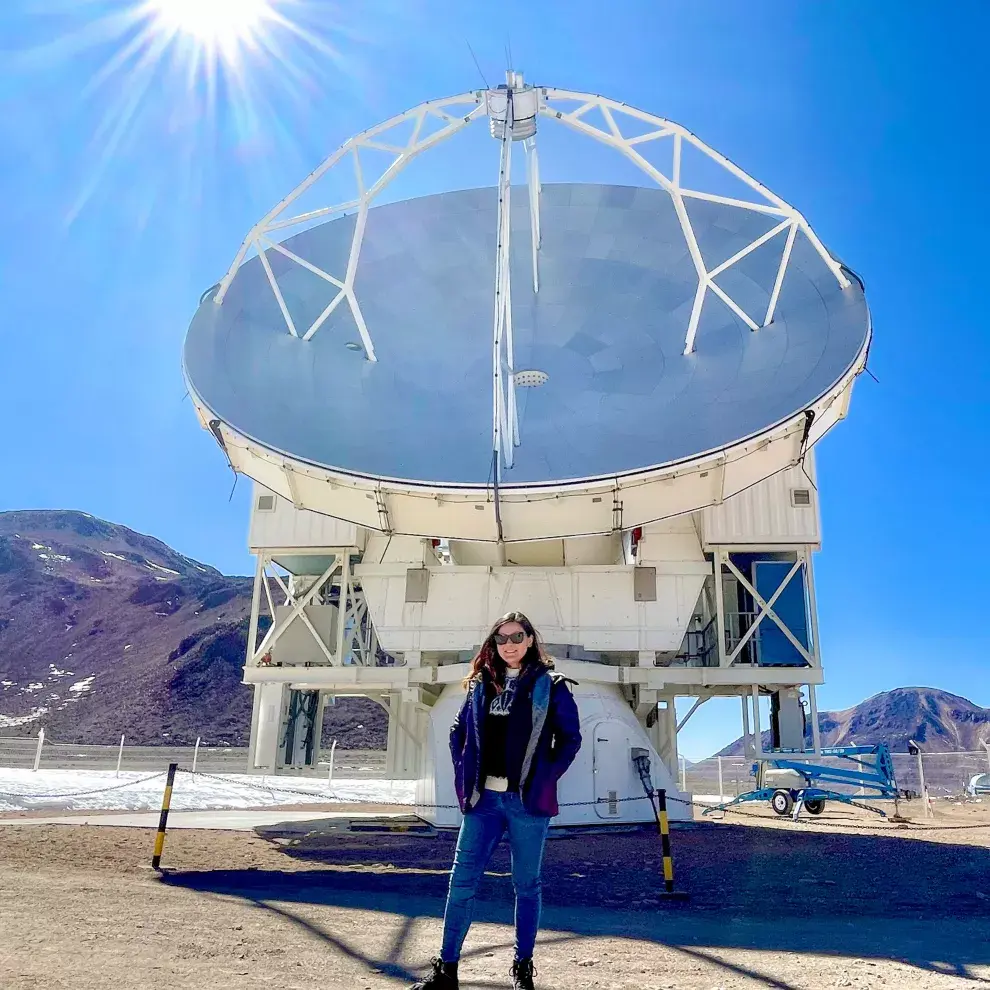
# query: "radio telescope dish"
{"points": [[525, 361]]}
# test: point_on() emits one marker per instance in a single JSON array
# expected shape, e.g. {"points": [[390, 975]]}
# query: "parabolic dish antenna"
{"points": [[525, 361]]}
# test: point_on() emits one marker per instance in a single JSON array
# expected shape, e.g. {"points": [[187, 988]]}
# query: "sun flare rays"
{"points": [[204, 78], [223, 25]]}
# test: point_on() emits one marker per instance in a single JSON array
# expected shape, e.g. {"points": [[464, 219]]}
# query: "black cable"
{"points": [[642, 764], [498, 513], [808, 476], [477, 66]]}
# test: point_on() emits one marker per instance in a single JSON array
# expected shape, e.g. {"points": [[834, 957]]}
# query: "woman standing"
{"points": [[516, 733]]}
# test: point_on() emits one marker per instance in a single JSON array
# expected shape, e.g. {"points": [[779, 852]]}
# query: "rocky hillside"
{"points": [[104, 631], [939, 721]]}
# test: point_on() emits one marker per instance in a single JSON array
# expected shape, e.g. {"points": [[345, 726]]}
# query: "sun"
{"points": [[223, 26]]}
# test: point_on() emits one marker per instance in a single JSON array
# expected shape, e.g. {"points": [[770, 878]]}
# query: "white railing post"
{"points": [[120, 756], [333, 749], [721, 792], [924, 786], [37, 752], [196, 754], [683, 774]]}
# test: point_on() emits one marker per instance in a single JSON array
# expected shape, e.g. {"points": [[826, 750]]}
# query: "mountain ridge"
{"points": [[940, 721], [105, 631]]}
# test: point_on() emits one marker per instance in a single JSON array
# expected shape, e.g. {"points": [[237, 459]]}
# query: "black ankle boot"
{"points": [[522, 974], [443, 977]]}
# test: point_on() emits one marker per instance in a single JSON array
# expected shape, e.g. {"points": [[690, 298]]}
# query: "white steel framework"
{"points": [[505, 426], [452, 114], [764, 608], [353, 632]]}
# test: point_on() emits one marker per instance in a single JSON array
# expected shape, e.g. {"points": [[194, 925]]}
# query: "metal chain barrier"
{"points": [[395, 804], [99, 790], [836, 822], [313, 795], [587, 804], [309, 794]]}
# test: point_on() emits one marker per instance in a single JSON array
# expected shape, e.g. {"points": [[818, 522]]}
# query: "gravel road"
{"points": [[771, 905]]}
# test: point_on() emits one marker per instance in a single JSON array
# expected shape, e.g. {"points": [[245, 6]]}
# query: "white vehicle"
{"points": [[979, 785]]}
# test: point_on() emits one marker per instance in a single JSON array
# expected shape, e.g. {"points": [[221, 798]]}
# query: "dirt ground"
{"points": [[843, 902]]}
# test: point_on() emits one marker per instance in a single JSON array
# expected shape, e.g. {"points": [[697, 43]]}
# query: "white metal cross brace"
{"points": [[375, 138], [697, 704], [299, 604], [361, 640], [766, 609], [342, 598], [362, 634], [772, 204]]}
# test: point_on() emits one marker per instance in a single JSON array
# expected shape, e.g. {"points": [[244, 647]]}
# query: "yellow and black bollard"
{"points": [[156, 859], [641, 761], [668, 862]]}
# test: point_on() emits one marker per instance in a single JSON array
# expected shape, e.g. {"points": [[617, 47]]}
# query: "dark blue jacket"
{"points": [[550, 734]]}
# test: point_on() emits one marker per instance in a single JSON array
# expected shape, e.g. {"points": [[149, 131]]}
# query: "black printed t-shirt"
{"points": [[495, 755]]}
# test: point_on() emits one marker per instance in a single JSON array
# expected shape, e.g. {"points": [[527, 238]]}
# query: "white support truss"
{"points": [[505, 428], [354, 633], [765, 609], [613, 113], [447, 111], [452, 114], [533, 182]]}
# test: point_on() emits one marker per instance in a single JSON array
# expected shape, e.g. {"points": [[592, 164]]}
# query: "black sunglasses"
{"points": [[516, 637]]}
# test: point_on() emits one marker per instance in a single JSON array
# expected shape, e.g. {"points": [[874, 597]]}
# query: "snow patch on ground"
{"points": [[158, 567], [116, 556], [7, 721], [25, 790], [54, 556], [33, 686], [84, 685]]}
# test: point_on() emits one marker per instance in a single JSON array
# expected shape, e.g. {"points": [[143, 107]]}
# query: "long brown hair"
{"points": [[487, 659]]}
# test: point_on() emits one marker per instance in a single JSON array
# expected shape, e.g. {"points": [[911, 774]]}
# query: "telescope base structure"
{"points": [[287, 726], [601, 786], [626, 455], [718, 603]]}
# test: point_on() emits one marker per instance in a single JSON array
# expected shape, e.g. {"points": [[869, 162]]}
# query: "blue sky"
{"points": [[127, 190]]}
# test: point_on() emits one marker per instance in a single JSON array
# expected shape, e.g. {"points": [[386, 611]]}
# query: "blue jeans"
{"points": [[481, 830]]}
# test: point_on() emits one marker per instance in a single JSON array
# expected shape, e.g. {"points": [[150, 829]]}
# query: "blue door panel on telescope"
{"points": [[774, 649], [617, 285]]}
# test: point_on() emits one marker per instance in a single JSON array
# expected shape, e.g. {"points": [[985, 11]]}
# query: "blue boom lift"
{"points": [[793, 785]]}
